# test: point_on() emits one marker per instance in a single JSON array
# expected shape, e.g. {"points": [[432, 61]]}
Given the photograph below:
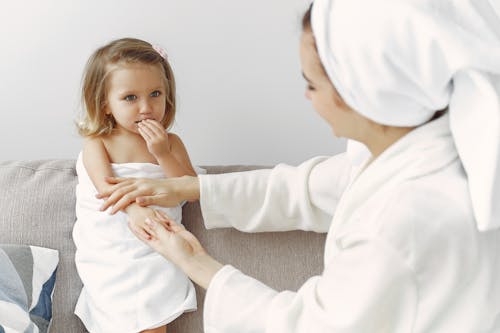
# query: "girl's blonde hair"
{"points": [[94, 121]]}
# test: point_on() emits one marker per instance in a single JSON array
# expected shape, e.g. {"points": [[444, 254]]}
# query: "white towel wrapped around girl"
{"points": [[132, 284]]}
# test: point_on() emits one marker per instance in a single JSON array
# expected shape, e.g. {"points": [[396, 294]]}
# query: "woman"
{"points": [[404, 252]]}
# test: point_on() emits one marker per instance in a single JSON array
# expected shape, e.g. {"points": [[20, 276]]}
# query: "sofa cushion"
{"points": [[27, 278]]}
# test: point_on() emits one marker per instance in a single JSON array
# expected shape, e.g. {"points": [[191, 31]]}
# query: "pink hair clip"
{"points": [[160, 51]]}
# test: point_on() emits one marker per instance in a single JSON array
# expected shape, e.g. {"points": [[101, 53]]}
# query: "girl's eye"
{"points": [[155, 93], [130, 98], [310, 88]]}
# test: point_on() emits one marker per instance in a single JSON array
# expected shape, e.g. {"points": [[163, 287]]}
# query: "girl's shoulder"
{"points": [[93, 143], [175, 141]]}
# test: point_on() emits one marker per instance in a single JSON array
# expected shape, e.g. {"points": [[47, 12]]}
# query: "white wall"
{"points": [[240, 90]]}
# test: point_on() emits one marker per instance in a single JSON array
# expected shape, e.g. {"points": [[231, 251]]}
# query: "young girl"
{"points": [[129, 99]]}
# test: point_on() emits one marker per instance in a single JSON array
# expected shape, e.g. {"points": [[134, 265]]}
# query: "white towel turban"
{"points": [[398, 61]]}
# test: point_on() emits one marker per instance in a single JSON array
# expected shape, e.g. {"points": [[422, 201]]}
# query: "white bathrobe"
{"points": [[403, 253], [127, 287]]}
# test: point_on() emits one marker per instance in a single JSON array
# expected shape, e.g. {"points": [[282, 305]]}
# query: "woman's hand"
{"points": [[156, 137], [179, 246], [162, 192]]}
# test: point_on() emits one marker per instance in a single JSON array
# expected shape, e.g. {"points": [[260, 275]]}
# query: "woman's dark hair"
{"points": [[306, 19]]}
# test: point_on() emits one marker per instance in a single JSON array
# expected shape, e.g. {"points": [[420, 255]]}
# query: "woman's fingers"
{"points": [[159, 199], [167, 222], [157, 229], [162, 216], [120, 199], [116, 180], [116, 183], [166, 199]]}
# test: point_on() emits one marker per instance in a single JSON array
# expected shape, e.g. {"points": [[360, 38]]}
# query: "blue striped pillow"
{"points": [[27, 277]]}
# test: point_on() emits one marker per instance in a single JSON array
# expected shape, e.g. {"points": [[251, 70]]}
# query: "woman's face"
{"points": [[320, 91]]}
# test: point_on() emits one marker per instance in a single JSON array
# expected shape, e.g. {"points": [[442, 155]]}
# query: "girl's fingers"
{"points": [[145, 133], [155, 126], [139, 233]]}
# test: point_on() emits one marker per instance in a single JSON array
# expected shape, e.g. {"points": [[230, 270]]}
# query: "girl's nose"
{"points": [[146, 107], [308, 94]]}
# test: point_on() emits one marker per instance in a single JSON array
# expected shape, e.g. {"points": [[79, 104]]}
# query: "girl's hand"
{"points": [[144, 191], [137, 217], [179, 246], [155, 136]]}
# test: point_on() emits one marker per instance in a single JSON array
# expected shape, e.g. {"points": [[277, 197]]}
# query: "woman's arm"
{"points": [[261, 200], [144, 191], [280, 199], [366, 287]]}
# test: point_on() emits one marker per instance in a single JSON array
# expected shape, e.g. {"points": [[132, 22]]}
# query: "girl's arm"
{"points": [[177, 162], [97, 163], [167, 148]]}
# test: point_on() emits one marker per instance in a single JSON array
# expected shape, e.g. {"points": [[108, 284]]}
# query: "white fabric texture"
{"points": [[302, 198], [128, 287], [398, 61], [402, 254]]}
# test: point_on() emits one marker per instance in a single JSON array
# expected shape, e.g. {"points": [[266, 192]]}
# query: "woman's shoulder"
{"points": [[440, 197], [426, 213]]}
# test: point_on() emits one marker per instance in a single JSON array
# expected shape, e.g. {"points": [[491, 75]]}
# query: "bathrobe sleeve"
{"points": [[279, 199], [366, 287]]}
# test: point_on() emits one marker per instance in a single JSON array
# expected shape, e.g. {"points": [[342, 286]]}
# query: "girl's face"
{"points": [[135, 92], [320, 91]]}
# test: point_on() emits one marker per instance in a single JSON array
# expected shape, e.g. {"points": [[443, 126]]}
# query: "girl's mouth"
{"points": [[138, 121]]}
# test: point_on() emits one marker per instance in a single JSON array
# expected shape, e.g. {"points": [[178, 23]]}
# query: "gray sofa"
{"points": [[37, 208]]}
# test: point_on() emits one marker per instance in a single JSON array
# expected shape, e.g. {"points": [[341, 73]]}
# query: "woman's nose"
{"points": [[308, 94]]}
